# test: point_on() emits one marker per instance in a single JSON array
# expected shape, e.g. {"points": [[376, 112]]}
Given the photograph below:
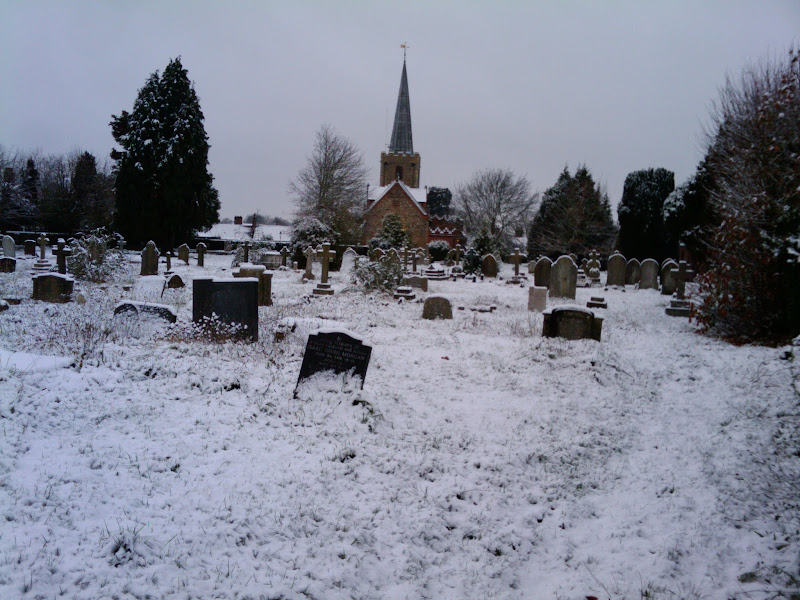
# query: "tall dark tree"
{"points": [[83, 189], [30, 183], [439, 202], [640, 213], [164, 191], [574, 217], [688, 214]]}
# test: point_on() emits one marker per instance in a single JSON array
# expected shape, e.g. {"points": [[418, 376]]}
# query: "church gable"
{"points": [[400, 200]]}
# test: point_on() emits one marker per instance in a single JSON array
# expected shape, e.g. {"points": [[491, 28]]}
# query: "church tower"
{"points": [[401, 162]]}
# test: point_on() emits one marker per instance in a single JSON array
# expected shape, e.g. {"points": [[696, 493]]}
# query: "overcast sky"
{"points": [[530, 86]]}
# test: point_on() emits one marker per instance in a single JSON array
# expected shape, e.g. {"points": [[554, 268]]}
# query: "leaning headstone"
{"points": [[150, 259], [131, 307], [649, 275], [633, 272], [667, 280], [9, 249], [537, 298], [572, 323], [336, 351], [8, 264], [616, 269], [541, 272], [201, 254], [437, 307], [489, 266], [53, 287], [183, 253], [563, 278], [231, 301], [421, 283]]}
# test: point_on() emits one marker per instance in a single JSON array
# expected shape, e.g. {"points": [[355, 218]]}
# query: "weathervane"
{"points": [[404, 46]]}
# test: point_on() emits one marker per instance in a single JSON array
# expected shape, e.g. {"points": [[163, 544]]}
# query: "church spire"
{"points": [[401, 131]]}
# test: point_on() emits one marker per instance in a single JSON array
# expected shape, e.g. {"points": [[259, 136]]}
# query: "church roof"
{"points": [[418, 196], [402, 142]]}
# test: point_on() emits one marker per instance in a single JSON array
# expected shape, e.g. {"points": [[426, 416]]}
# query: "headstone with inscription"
{"points": [[572, 323], [541, 272], [337, 351], [633, 272]]}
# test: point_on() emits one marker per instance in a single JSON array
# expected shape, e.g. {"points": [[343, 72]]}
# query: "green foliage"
{"points": [[164, 189], [438, 249], [97, 257], [471, 263], [257, 252], [385, 275], [574, 217], [392, 231], [484, 242], [641, 222], [438, 200]]}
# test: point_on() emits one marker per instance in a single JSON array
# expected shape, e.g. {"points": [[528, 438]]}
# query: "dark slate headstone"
{"points": [[233, 301], [335, 351], [30, 247], [53, 287], [572, 323], [7, 264]]}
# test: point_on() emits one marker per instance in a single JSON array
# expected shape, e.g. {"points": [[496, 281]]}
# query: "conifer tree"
{"points": [[640, 212], [164, 189], [438, 200]]}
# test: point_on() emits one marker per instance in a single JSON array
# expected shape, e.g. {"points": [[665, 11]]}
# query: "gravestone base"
{"points": [[404, 293], [679, 308], [572, 323], [53, 287], [437, 274], [597, 302], [323, 289], [420, 283], [42, 266], [8, 265]]}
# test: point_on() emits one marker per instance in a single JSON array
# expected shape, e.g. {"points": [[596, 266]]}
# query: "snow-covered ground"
{"points": [[479, 460]]}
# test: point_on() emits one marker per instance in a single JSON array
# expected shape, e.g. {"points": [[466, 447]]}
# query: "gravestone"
{"points": [[616, 269], [309, 254], [437, 307], [175, 282], [258, 272], [584, 265], [162, 311], [9, 249], [393, 256], [150, 257], [42, 241], [323, 287], [246, 258], [415, 281], [404, 292], [336, 351], [572, 323], [285, 253], [541, 272], [376, 255], [169, 262], [8, 264], [563, 278], [183, 253], [667, 280], [680, 306], [537, 298], [649, 275], [30, 247], [233, 301], [489, 266], [593, 267], [201, 254], [597, 302], [62, 254], [348, 263], [633, 272], [516, 258], [53, 287]]}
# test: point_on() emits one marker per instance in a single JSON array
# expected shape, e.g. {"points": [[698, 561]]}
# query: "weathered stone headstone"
{"points": [[9, 248], [349, 258], [393, 256], [162, 311], [563, 278], [616, 269], [667, 280], [42, 241], [572, 323], [438, 307], [30, 247], [537, 298], [183, 253], [418, 282], [201, 254], [8, 264], [175, 282], [376, 255], [232, 301], [62, 253], [169, 262], [633, 272], [264, 281], [150, 257], [336, 351], [489, 266], [649, 275], [309, 254], [53, 287], [541, 272]]}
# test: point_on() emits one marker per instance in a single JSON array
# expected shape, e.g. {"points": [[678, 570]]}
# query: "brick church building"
{"points": [[399, 190]]}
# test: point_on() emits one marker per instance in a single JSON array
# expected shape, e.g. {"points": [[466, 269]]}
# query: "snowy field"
{"points": [[479, 460]]}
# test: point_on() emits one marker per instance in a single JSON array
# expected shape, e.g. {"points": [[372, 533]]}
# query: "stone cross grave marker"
{"points": [[285, 256], [458, 250], [309, 254], [327, 254], [336, 351], [61, 256], [681, 275], [516, 258], [42, 241], [414, 259], [405, 254], [201, 254], [150, 259]]}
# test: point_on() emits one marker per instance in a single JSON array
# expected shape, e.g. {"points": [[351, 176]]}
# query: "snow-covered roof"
{"points": [[417, 195], [229, 231]]}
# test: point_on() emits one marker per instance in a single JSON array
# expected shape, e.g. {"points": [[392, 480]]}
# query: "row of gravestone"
{"points": [[150, 256]]}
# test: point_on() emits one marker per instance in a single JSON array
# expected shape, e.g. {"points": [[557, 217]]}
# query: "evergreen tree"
{"points": [[688, 215], [640, 212], [30, 183], [574, 217], [164, 189], [438, 200], [392, 231], [83, 189]]}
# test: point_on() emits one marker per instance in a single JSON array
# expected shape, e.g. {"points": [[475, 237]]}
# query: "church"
{"points": [[399, 190]]}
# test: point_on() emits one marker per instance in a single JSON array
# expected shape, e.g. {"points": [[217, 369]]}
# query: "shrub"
{"points": [[438, 249], [257, 251], [385, 275], [93, 260]]}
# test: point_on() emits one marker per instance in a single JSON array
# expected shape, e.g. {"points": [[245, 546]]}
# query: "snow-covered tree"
{"points": [[641, 222], [164, 188], [438, 200]]}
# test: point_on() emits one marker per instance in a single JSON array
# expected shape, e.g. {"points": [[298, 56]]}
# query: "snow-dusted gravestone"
{"points": [[183, 253], [633, 272], [438, 307], [667, 280], [489, 266], [616, 269], [201, 254], [563, 278], [131, 307], [649, 275], [572, 323], [9, 249], [150, 256], [8, 264], [231, 301], [53, 287], [333, 350], [537, 298], [541, 272], [348, 263]]}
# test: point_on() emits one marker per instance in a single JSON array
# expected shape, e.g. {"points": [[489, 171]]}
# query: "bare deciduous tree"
{"points": [[498, 200], [332, 186]]}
